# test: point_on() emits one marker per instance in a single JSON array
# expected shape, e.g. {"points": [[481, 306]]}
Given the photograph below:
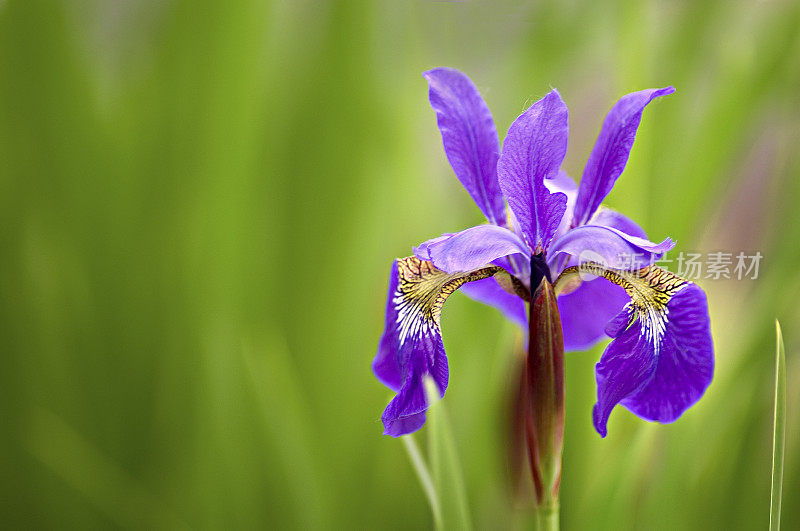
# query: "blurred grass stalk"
{"points": [[425, 479], [442, 480], [779, 431]]}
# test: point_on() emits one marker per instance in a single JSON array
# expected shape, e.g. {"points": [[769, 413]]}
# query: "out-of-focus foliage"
{"points": [[200, 203]]}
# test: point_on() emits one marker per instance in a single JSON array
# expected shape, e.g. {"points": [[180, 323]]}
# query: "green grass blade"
{"points": [[779, 431], [425, 479], [447, 476], [110, 488]]}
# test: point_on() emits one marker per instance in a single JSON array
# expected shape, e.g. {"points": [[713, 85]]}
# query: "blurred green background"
{"points": [[201, 201]]}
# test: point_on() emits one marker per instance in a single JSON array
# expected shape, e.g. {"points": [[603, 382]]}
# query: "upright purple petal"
{"points": [[586, 311], [469, 137], [563, 183], [471, 248], [532, 152], [610, 152], [610, 247], [488, 291], [411, 349]]}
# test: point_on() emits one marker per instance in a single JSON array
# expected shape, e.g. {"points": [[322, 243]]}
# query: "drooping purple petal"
{"points": [[586, 311], [532, 152], [425, 358], [610, 247], [469, 137], [471, 248], [627, 364], [488, 291], [611, 151], [661, 364], [411, 349], [685, 365], [387, 363]]}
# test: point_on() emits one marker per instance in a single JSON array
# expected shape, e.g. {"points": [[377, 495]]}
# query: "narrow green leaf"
{"points": [[425, 479], [448, 479], [779, 431]]}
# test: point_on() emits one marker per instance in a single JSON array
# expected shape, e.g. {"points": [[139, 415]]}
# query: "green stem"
{"points": [[424, 475], [547, 516], [778, 432]]}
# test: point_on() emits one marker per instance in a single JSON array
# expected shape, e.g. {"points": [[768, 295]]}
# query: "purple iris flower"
{"points": [[661, 358]]}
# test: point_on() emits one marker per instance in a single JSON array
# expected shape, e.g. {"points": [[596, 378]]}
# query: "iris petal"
{"points": [[471, 248], [488, 291], [411, 349], [662, 357], [563, 183], [532, 152], [611, 218], [586, 312], [685, 364], [610, 246], [386, 365], [469, 137], [658, 381], [611, 151]]}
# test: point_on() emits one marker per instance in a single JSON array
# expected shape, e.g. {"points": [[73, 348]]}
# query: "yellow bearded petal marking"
{"points": [[421, 292], [649, 288]]}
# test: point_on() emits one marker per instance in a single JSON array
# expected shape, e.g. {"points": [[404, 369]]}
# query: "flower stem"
{"points": [[547, 516], [546, 394]]}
